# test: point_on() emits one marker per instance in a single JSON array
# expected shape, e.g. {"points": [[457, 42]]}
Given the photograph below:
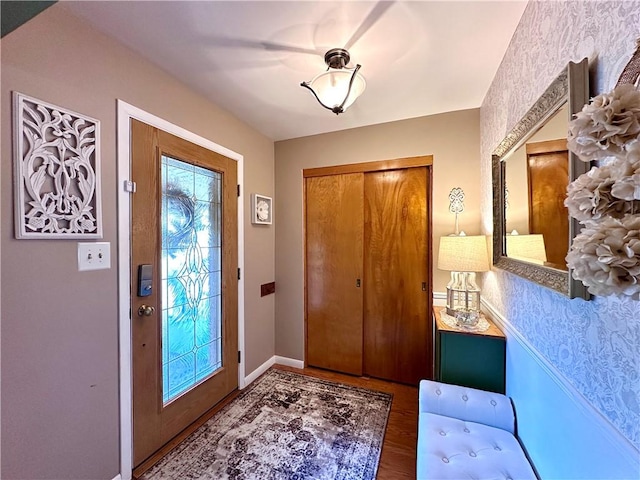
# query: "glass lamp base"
{"points": [[467, 318], [463, 295]]}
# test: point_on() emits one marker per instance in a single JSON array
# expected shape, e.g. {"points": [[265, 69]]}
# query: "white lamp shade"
{"points": [[527, 247], [332, 87], [463, 254]]}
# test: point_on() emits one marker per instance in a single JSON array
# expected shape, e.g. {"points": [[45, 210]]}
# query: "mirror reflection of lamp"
{"points": [[463, 256], [529, 247]]}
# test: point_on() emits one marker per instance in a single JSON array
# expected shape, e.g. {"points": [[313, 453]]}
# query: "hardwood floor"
{"points": [[398, 457]]}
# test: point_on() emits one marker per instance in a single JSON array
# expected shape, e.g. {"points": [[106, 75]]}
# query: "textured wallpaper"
{"points": [[595, 344]]}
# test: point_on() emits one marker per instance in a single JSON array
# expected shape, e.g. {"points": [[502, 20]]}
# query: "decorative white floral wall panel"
{"points": [[596, 344], [56, 171]]}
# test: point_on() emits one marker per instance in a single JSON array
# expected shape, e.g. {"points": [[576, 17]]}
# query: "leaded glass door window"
{"points": [[191, 271]]}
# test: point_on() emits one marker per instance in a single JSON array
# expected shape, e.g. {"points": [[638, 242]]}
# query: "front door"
{"points": [[184, 291]]}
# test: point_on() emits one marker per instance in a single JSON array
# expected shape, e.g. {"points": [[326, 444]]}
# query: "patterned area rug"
{"points": [[286, 426]]}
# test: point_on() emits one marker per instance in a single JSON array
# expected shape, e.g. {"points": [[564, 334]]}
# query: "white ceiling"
{"points": [[418, 58]]}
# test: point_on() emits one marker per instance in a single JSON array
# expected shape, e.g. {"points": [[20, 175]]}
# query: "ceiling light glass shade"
{"points": [[332, 87]]}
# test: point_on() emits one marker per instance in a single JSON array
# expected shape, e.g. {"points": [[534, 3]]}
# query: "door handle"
{"points": [[146, 310]]}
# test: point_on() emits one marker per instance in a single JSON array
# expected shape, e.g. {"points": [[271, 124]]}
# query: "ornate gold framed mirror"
{"points": [[532, 230]]}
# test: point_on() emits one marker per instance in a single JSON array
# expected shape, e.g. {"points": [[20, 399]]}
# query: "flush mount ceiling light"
{"points": [[337, 87]]}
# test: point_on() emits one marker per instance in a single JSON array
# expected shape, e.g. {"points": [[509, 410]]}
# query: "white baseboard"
{"points": [[289, 362], [563, 383], [117, 477], [259, 371]]}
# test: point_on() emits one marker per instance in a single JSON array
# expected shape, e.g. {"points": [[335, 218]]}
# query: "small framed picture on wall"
{"points": [[261, 209]]}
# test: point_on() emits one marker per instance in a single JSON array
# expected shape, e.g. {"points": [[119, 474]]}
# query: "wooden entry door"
{"points": [[548, 176], [397, 333], [184, 284]]}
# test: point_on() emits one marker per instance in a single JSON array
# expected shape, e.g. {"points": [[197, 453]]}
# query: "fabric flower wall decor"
{"points": [[605, 255], [606, 125]]}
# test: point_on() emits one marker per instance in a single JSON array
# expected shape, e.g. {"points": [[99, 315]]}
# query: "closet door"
{"points": [[397, 337], [548, 177], [334, 230]]}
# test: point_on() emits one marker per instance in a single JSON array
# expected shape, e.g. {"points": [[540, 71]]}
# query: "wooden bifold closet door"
{"points": [[368, 269], [334, 265]]}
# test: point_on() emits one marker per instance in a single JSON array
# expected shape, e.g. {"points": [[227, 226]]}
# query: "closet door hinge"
{"points": [[238, 189], [238, 274], [239, 356]]}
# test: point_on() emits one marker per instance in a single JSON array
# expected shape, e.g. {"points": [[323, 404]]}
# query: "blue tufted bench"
{"points": [[467, 433]]}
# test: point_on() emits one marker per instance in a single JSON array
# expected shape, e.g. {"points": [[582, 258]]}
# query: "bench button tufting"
{"points": [[465, 398], [472, 454], [493, 402], [438, 392], [445, 460], [498, 449], [443, 434], [466, 430]]}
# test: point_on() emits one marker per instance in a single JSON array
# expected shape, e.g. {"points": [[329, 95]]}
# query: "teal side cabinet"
{"points": [[470, 359]]}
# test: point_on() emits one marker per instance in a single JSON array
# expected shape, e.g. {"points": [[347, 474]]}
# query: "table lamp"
{"points": [[463, 255]]}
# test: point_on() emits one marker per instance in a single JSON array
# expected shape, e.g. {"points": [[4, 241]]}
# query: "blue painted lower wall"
{"points": [[565, 437]]}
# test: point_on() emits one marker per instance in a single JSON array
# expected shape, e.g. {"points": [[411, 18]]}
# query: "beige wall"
{"points": [[452, 138], [60, 326]]}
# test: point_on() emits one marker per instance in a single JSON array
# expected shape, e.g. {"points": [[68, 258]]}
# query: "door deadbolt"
{"points": [[146, 310]]}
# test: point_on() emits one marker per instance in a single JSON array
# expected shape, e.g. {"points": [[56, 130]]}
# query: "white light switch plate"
{"points": [[94, 256]]}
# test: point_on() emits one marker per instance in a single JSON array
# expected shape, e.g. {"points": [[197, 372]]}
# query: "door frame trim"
{"points": [[126, 112]]}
